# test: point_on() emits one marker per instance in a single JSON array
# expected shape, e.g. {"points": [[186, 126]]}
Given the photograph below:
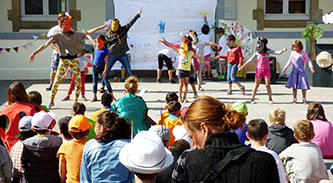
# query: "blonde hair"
{"points": [[131, 84], [303, 130], [277, 116], [214, 113]]}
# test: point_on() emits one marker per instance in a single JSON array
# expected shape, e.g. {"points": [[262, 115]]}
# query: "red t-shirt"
{"points": [[234, 55]]}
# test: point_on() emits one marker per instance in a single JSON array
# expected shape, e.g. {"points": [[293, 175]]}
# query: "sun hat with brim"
{"points": [[42, 120], [146, 154], [324, 59], [25, 124]]}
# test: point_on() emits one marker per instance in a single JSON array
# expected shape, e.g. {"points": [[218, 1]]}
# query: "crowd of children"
{"points": [[161, 153]]}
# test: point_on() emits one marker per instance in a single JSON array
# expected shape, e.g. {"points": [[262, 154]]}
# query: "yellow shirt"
{"points": [[71, 154], [94, 115], [185, 60]]}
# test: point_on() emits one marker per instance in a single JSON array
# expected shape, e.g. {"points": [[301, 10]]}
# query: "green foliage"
{"points": [[312, 31]]}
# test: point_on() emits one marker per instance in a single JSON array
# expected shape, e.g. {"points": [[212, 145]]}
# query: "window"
{"points": [[42, 10], [287, 10]]}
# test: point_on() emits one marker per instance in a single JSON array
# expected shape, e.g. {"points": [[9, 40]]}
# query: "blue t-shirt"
{"points": [[100, 56]]}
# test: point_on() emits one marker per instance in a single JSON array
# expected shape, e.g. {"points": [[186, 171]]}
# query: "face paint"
{"points": [[67, 22], [229, 43], [184, 47], [100, 43], [114, 25]]}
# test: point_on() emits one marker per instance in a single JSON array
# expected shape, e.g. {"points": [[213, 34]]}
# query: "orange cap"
{"points": [[80, 123]]}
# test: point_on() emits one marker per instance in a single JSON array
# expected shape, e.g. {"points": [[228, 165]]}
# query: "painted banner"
{"points": [[160, 18], [242, 34]]}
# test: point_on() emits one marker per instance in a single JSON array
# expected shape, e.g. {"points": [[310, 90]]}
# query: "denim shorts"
{"points": [[55, 62]]}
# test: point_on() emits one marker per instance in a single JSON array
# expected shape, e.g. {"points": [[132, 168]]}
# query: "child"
{"points": [[223, 51], [235, 59], [70, 153], [80, 108], [71, 46], [163, 132], [263, 68], [39, 152], [6, 166], [24, 132], [171, 96], [297, 78], [280, 136], [241, 132], [145, 156], [257, 133], [172, 120], [167, 56], [128, 54], [36, 98], [304, 162], [101, 60], [63, 127], [100, 157], [106, 101], [71, 87], [184, 64]]}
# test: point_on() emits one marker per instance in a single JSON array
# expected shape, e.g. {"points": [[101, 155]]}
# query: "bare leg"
{"points": [[52, 76], [186, 86], [230, 87], [208, 70], [304, 96], [256, 86], [194, 89], [268, 87], [199, 79], [180, 87], [159, 72], [294, 95], [122, 73], [169, 73]]}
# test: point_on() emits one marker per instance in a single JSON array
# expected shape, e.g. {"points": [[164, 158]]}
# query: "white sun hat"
{"points": [[146, 154], [324, 59]]}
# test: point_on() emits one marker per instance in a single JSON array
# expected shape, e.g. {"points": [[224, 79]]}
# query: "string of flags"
{"points": [[16, 48]]}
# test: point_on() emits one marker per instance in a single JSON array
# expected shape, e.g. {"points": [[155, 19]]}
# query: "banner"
{"points": [[160, 18]]}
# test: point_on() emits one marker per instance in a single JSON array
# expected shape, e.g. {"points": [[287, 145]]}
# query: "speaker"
{"points": [[272, 64]]}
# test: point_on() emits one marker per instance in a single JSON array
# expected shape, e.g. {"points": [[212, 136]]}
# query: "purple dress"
{"points": [[297, 78]]}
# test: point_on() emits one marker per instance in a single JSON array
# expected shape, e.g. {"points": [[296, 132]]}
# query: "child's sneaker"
{"points": [[224, 76], [185, 100], [49, 88], [294, 101], [252, 101], [101, 90], [201, 89], [270, 102], [242, 89], [305, 101], [229, 92], [196, 96], [50, 105], [158, 80], [172, 81], [122, 80]]}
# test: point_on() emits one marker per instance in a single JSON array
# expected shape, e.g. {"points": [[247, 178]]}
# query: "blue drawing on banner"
{"points": [[162, 26]]}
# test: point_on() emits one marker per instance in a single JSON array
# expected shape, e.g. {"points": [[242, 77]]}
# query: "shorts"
{"points": [[183, 74], [54, 63], [129, 60], [223, 61], [263, 73]]}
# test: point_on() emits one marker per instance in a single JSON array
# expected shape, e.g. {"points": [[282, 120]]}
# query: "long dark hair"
{"points": [[116, 127], [17, 93], [315, 111]]}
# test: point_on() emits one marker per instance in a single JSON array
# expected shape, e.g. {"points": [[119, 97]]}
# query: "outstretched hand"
{"points": [[312, 70], [31, 58], [240, 68], [162, 40], [140, 11]]}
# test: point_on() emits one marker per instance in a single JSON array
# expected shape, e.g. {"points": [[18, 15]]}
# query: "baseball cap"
{"points": [[42, 120], [146, 154], [79, 123], [25, 124]]}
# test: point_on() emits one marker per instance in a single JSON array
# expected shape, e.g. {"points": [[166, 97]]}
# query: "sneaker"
{"points": [[204, 77], [270, 102], [242, 89], [172, 81], [220, 76], [158, 80], [252, 101], [223, 76], [196, 96], [201, 89], [294, 101], [49, 88], [185, 100], [93, 99], [209, 77], [229, 92], [305, 101], [101, 90], [84, 98], [122, 80], [50, 105]]}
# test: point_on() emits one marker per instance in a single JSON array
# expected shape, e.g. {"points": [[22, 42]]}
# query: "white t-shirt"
{"points": [[199, 48], [223, 44], [55, 29], [167, 52], [205, 38], [278, 162]]}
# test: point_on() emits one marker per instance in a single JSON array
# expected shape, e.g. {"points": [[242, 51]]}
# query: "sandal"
{"points": [[84, 98], [242, 89], [66, 98], [305, 101], [229, 92], [93, 100], [294, 101]]}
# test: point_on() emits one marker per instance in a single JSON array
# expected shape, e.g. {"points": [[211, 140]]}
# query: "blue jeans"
{"points": [[232, 72], [98, 69], [123, 60]]}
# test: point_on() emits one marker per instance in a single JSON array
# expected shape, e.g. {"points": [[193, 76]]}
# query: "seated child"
{"points": [[279, 135], [171, 96], [63, 127], [257, 133], [154, 156], [6, 165], [106, 101], [39, 152], [162, 132], [36, 98], [172, 119], [24, 132], [80, 108], [241, 132], [70, 153], [303, 161]]}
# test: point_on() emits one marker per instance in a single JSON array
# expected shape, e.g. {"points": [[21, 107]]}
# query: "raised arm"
{"points": [[200, 59], [91, 40], [168, 44], [55, 47], [135, 18], [91, 31], [41, 48]]}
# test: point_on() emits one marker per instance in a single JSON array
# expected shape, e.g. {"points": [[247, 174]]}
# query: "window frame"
{"points": [[285, 15], [40, 17]]}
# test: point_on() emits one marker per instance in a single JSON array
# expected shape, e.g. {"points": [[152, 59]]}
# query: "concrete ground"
{"points": [[155, 97]]}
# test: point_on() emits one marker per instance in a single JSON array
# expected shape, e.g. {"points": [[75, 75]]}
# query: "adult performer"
{"points": [[55, 55], [117, 45], [71, 46]]}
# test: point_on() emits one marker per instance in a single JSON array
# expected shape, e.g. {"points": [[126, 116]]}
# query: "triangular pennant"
{"points": [[43, 35], [35, 37], [16, 48], [7, 49], [1, 50]]}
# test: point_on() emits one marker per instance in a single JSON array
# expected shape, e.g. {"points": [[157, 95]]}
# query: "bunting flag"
{"points": [[1, 50], [43, 35], [35, 37], [7, 49], [16, 48]]}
